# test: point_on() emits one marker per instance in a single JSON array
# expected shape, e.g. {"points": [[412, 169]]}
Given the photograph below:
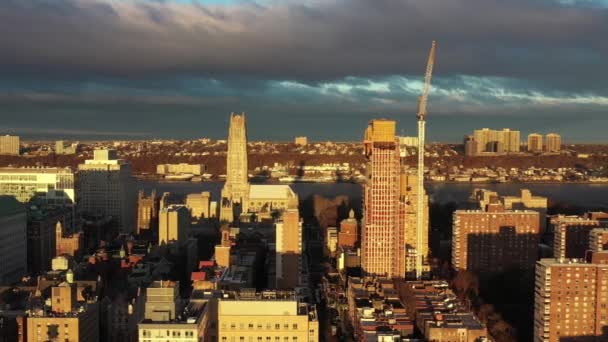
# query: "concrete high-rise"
{"points": [[489, 140], [570, 301], [383, 236], [535, 142], [9, 145], [493, 239], [13, 240], [107, 189], [236, 189], [173, 223], [509, 140], [289, 250], [470, 146], [572, 235], [554, 142], [484, 137], [598, 239]]}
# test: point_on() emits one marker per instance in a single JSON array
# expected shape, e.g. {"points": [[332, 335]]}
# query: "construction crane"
{"points": [[422, 101]]}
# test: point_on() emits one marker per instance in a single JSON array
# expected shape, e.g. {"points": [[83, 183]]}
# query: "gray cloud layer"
{"points": [[537, 40]]}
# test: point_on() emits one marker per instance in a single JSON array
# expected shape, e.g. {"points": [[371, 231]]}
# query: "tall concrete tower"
{"points": [[383, 237], [236, 189]]}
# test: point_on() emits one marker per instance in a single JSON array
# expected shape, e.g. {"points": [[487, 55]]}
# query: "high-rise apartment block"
{"points": [[571, 301], [289, 250], [267, 316], [494, 239], [470, 146], [107, 189], [572, 235], [598, 239], [383, 237], [13, 240], [49, 185], [235, 193], [510, 140], [535, 142], [301, 141], [147, 212], [554, 142], [173, 223], [9, 145], [489, 140]]}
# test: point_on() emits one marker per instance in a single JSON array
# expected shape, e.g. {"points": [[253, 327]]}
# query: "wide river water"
{"points": [[576, 194]]}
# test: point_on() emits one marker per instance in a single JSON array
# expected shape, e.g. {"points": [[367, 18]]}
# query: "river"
{"points": [[575, 194]]}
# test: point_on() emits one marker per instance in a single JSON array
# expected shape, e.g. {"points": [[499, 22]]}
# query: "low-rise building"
{"points": [[182, 168], [168, 318], [266, 316], [438, 313], [69, 319], [375, 309]]}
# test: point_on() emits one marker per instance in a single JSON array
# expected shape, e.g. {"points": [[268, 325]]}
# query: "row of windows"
{"points": [[277, 326], [261, 339], [169, 333]]}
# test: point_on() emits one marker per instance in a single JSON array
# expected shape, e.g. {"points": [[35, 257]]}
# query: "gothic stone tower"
{"points": [[236, 189]]}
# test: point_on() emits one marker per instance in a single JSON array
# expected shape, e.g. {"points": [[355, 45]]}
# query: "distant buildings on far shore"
{"points": [[489, 142], [302, 141]]}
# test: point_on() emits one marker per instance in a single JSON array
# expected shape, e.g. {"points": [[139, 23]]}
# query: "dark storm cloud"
{"points": [[548, 43]]}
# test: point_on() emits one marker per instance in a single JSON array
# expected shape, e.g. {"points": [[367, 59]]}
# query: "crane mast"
{"points": [[420, 217]]}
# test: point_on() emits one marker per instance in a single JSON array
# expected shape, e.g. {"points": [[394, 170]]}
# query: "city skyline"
{"points": [[190, 63]]}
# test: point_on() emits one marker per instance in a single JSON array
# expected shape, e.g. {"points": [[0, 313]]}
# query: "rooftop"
{"points": [[265, 191], [32, 170]]}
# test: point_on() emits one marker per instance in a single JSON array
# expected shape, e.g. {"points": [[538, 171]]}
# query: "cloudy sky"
{"points": [[115, 69]]}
